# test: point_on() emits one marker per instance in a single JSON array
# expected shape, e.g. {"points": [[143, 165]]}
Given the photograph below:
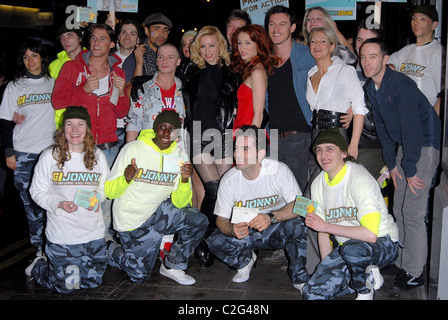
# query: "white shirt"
{"points": [[356, 195], [338, 89], [423, 64], [274, 188], [32, 98], [50, 185]]}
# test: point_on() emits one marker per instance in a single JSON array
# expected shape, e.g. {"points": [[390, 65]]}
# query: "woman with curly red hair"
{"points": [[252, 58]]}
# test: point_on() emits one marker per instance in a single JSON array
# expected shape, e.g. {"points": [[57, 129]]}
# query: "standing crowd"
{"points": [[128, 149]]}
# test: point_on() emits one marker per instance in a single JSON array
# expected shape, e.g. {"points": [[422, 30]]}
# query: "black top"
{"points": [[210, 79], [284, 109]]}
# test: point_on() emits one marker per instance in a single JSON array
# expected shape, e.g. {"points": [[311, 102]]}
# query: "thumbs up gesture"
{"points": [[92, 83], [130, 171]]}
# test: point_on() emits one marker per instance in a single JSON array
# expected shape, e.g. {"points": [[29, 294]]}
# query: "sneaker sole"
{"points": [[185, 283]]}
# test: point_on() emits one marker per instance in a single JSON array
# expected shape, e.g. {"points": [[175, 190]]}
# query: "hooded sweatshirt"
{"points": [[157, 179], [68, 91]]}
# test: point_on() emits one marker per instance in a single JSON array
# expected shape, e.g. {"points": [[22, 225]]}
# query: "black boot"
{"points": [[205, 257]]}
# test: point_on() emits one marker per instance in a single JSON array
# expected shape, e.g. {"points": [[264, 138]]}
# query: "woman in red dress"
{"points": [[252, 58]]}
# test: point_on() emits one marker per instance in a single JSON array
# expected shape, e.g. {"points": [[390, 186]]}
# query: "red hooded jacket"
{"points": [[68, 91]]}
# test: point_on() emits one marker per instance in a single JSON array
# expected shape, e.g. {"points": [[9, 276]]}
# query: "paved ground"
{"points": [[268, 283]]}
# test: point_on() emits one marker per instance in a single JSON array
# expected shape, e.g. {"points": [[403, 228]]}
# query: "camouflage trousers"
{"points": [[140, 247], [22, 180], [71, 267], [345, 269], [290, 235]]}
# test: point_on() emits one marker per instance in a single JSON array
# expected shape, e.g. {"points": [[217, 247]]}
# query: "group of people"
{"points": [[171, 139]]}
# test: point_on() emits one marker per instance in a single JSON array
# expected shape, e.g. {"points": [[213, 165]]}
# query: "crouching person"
{"points": [[269, 187], [151, 187], [75, 251], [352, 209]]}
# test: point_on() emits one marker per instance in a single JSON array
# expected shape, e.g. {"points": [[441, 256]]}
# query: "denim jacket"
{"points": [[143, 112], [301, 62]]}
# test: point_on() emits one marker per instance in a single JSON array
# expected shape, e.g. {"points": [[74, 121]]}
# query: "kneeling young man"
{"points": [[269, 186], [352, 209], [152, 198]]}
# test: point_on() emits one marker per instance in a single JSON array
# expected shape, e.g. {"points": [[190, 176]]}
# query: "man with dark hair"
{"points": [[71, 41], [286, 103], [157, 29], [369, 149], [129, 33], [422, 61], [238, 18], [267, 189], [410, 133], [289, 112]]}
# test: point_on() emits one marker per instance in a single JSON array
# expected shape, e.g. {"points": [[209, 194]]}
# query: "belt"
{"points": [[288, 133], [107, 145], [324, 119]]}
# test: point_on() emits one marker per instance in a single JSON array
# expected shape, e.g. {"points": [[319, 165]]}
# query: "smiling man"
{"points": [[286, 102], [409, 131], [95, 81], [269, 187], [150, 182], [350, 207]]}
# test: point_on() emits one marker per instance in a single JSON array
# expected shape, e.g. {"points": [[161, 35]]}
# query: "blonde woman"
{"points": [[209, 89], [316, 17], [332, 88]]}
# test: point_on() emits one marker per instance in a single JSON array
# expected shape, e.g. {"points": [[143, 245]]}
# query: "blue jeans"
{"points": [[343, 271]]}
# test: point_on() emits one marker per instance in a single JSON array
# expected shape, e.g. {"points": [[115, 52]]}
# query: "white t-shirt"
{"points": [[32, 98], [423, 64], [274, 188], [338, 89], [356, 195], [51, 185]]}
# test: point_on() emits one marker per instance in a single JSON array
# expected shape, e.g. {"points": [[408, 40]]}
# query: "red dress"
{"points": [[245, 111]]}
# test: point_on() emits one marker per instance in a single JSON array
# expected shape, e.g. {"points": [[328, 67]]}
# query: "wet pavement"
{"points": [[268, 282]]}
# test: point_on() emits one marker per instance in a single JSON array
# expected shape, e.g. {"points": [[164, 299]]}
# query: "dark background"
{"points": [[190, 14]]}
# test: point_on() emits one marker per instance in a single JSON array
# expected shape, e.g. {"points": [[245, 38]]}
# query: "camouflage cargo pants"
{"points": [[140, 247], [71, 267], [22, 180], [343, 271], [291, 235]]}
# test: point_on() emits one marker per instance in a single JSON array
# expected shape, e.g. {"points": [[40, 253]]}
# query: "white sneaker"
{"points": [[177, 275], [299, 286], [243, 273], [365, 296], [375, 278], [31, 266]]}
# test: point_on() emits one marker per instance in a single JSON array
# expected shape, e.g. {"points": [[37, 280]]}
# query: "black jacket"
{"points": [[227, 100]]}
